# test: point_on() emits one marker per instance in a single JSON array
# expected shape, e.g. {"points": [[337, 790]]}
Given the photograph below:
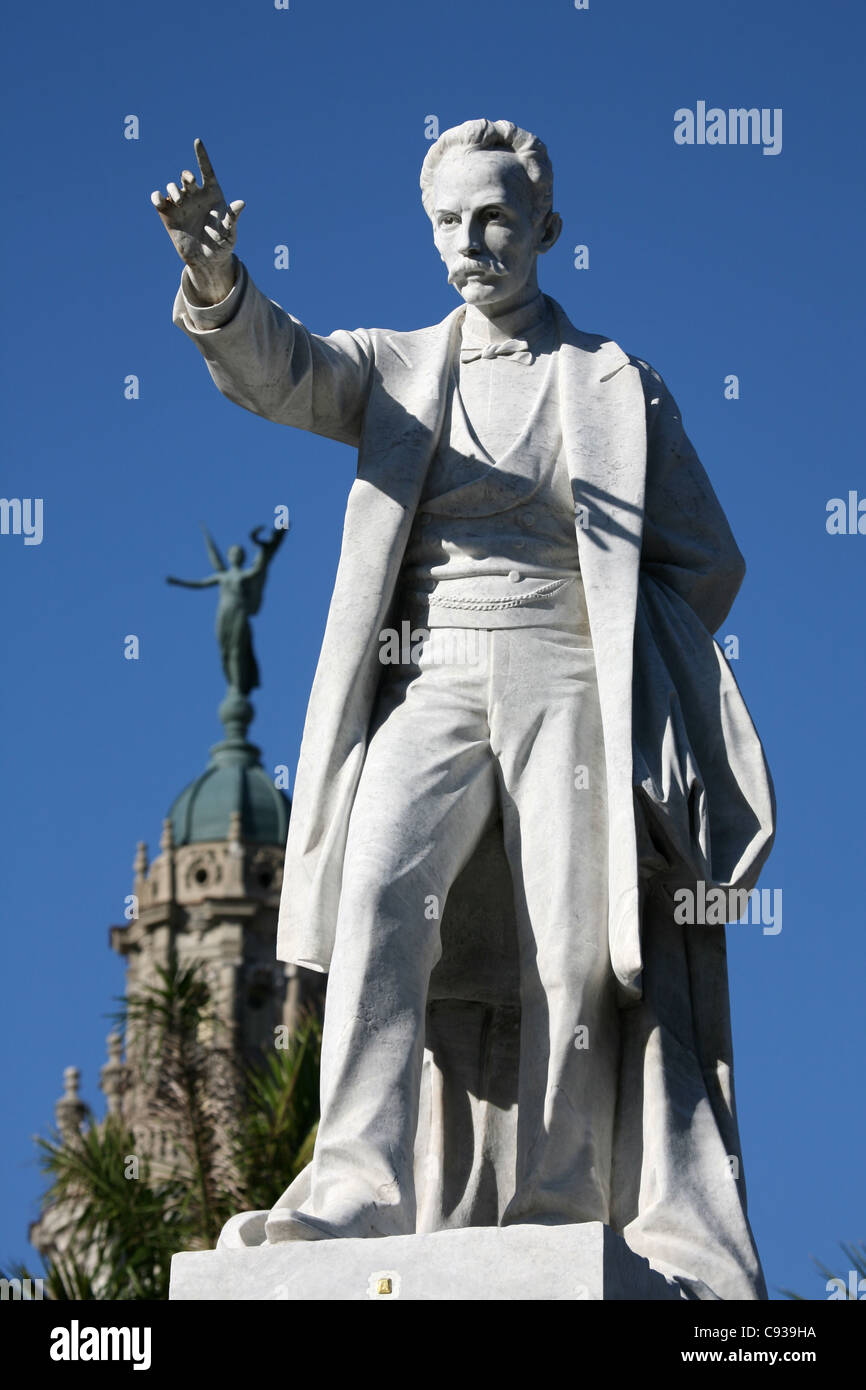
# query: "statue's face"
{"points": [[485, 226], [236, 556]]}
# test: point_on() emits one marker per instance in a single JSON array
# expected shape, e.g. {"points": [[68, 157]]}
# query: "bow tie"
{"points": [[512, 347]]}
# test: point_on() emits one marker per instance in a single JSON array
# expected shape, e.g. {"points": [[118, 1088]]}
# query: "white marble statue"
{"points": [[521, 740]]}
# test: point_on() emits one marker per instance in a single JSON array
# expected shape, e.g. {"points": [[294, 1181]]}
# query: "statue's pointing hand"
{"points": [[203, 227]]}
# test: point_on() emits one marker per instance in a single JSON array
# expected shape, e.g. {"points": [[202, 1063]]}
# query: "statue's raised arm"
{"points": [[259, 356], [257, 573]]}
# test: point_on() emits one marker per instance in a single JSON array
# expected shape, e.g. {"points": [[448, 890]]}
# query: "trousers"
{"points": [[472, 724]]}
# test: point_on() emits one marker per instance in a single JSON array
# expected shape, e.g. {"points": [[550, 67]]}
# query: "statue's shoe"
{"points": [[283, 1224], [252, 1228], [245, 1229]]}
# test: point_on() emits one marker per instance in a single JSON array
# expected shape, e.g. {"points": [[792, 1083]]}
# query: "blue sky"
{"points": [[705, 260]]}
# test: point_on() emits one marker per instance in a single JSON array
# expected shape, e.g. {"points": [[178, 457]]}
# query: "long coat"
{"points": [[644, 509], [689, 793]]}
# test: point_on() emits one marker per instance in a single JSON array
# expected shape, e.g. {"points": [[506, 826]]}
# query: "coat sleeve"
{"points": [[262, 358], [687, 542]]}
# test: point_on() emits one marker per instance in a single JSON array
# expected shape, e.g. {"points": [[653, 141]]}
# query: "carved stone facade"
{"points": [[216, 903]]}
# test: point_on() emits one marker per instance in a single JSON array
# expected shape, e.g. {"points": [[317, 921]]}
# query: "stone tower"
{"points": [[212, 894]]}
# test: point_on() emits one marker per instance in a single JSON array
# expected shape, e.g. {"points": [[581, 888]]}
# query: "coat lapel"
{"points": [[403, 420]]}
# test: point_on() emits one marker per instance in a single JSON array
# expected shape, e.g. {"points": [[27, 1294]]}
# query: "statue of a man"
{"points": [[487, 833]]}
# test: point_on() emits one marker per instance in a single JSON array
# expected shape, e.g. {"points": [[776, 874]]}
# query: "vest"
{"points": [[493, 543]]}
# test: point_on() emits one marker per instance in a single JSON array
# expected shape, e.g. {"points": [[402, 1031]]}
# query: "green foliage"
{"points": [[229, 1139], [855, 1254], [194, 1090], [277, 1129], [134, 1223]]}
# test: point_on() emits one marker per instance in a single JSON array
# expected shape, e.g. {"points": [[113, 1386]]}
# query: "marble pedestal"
{"points": [[476, 1263]]}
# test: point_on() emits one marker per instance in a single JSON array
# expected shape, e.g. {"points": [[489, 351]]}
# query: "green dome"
{"points": [[234, 780]]}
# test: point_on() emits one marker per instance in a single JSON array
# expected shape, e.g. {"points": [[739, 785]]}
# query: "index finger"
{"points": [[204, 164]]}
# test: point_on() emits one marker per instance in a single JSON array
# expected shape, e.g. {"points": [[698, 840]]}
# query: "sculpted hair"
{"points": [[493, 135]]}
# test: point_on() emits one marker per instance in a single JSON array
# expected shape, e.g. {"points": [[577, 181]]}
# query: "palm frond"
{"points": [[207, 1137]]}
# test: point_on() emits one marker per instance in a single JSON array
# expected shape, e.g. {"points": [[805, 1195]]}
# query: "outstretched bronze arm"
{"points": [[193, 583]]}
